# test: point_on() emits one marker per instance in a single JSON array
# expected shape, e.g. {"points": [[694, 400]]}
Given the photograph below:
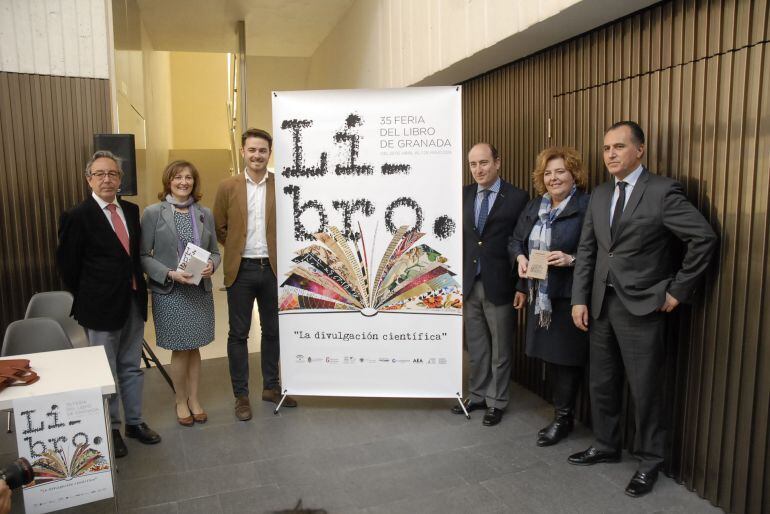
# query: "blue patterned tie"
{"points": [[483, 215], [483, 211]]}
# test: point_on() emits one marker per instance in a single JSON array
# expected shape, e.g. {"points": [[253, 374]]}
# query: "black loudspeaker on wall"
{"points": [[121, 145]]}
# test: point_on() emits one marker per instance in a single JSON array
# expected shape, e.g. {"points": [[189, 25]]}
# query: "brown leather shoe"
{"points": [[242, 408], [186, 421], [274, 395], [201, 417]]}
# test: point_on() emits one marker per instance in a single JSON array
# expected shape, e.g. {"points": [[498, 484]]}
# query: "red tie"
{"points": [[120, 230]]}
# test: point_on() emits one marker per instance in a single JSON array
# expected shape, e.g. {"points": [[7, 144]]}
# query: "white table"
{"points": [[62, 371]]}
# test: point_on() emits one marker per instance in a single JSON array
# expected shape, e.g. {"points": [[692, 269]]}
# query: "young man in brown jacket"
{"points": [[244, 214]]}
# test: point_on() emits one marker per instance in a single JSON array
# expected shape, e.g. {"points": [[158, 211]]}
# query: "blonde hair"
{"points": [[572, 162]]}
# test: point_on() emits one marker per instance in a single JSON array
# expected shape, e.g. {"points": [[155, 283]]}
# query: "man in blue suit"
{"points": [[491, 208]]}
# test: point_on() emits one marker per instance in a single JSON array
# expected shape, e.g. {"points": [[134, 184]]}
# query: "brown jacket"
{"points": [[230, 219]]}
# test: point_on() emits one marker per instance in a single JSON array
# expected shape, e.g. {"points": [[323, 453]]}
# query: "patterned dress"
{"points": [[184, 318]]}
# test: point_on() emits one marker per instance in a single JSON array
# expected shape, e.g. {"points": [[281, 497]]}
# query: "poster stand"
{"points": [[369, 190], [462, 405], [277, 407], [459, 399]]}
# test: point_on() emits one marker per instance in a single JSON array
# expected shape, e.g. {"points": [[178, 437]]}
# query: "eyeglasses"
{"points": [[101, 174]]}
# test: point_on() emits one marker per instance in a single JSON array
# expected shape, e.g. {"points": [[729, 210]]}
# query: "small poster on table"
{"points": [[64, 436]]}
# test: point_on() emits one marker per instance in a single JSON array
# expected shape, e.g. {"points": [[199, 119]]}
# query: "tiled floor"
{"points": [[365, 456]]}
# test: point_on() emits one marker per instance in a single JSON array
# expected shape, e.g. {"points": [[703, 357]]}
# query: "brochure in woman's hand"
{"points": [[194, 260]]}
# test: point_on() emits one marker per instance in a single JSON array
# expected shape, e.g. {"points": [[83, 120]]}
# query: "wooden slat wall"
{"points": [[696, 76], [46, 131]]}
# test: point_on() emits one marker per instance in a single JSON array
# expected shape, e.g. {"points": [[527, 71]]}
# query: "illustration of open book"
{"points": [[52, 465], [335, 275]]}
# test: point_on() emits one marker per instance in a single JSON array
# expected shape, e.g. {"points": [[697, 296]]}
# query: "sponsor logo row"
{"points": [[351, 359]]}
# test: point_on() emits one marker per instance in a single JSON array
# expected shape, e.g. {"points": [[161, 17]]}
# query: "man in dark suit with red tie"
{"points": [[627, 279], [98, 259], [491, 208]]}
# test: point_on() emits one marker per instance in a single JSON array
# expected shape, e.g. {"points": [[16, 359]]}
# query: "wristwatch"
{"points": [[572, 260]]}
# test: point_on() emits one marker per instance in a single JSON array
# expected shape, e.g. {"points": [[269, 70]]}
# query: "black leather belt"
{"points": [[262, 261]]}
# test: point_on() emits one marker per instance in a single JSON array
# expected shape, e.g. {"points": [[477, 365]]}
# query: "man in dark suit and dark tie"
{"points": [[625, 271], [491, 208], [98, 259]]}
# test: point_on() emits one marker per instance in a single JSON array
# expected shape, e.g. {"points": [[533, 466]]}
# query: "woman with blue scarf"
{"points": [[183, 311], [552, 222]]}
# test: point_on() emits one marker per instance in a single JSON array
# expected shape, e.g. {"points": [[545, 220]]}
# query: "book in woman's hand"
{"points": [[193, 261]]}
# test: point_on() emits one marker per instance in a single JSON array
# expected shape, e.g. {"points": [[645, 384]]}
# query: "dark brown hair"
{"points": [[255, 132]]}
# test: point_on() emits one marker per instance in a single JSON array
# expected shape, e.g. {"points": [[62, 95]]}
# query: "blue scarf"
{"points": [[540, 239]]}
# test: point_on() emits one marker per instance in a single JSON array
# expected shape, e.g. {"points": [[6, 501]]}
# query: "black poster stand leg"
{"points": [[154, 358]]}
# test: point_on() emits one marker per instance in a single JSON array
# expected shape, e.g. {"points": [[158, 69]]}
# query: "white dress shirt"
{"points": [[630, 181], [103, 205], [256, 231]]}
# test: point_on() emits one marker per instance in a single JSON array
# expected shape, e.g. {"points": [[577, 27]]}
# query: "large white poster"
{"points": [[368, 200], [64, 437]]}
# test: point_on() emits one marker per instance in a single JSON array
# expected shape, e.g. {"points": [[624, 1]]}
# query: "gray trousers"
{"points": [[124, 352], [489, 336], [621, 341]]}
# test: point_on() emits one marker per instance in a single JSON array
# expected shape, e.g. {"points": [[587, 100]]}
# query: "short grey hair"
{"points": [[99, 154]]}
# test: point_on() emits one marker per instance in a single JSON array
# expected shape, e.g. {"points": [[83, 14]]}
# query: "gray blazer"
{"points": [[641, 255], [160, 243]]}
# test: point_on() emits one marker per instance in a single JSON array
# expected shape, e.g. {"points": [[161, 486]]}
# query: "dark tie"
{"points": [[619, 205], [483, 211]]}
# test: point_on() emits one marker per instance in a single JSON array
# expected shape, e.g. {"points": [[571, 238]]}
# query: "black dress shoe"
{"points": [[593, 456], [555, 432], [562, 424], [641, 483], [492, 417], [469, 406], [143, 433], [118, 446]]}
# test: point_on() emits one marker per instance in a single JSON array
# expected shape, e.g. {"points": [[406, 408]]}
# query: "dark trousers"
{"points": [[621, 340], [565, 382], [255, 281]]}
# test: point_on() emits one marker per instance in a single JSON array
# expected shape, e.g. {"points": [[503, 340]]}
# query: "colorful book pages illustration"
{"points": [[335, 276], [52, 465]]}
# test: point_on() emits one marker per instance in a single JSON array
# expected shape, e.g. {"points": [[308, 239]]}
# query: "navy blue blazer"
{"points": [[491, 244], [565, 236]]}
